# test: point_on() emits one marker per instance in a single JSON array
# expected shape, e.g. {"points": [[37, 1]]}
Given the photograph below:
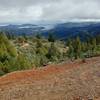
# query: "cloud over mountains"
{"points": [[22, 11]]}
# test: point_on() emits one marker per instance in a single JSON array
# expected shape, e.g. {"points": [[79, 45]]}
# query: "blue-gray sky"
{"points": [[28, 11]]}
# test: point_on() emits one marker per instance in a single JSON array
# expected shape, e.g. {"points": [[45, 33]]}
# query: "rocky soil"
{"points": [[67, 81]]}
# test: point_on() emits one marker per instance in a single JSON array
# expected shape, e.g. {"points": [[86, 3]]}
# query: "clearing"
{"points": [[66, 81]]}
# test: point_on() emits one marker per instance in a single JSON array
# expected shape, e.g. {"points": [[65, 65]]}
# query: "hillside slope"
{"points": [[66, 81], [61, 31]]}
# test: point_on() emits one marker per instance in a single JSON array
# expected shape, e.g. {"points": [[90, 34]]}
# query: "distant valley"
{"points": [[61, 31]]}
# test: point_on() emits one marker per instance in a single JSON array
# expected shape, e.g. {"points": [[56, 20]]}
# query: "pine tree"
{"points": [[51, 38], [22, 62], [7, 49], [93, 44], [71, 52], [77, 47], [53, 52], [38, 36]]}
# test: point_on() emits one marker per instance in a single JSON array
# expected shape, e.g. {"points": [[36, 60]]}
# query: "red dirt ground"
{"points": [[37, 74], [73, 75]]}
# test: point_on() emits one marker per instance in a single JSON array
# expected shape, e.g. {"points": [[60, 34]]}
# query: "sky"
{"points": [[30, 11]]}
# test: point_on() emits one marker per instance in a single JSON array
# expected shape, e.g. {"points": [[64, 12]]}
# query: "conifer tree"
{"points": [[51, 38], [7, 49], [77, 47], [38, 36], [93, 44]]}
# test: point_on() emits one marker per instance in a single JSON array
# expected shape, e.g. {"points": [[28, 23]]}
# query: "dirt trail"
{"points": [[67, 81]]}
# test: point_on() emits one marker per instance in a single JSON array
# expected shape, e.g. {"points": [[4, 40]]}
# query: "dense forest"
{"points": [[27, 52]]}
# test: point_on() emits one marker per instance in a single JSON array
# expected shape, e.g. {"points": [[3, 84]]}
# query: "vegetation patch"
{"points": [[25, 52]]}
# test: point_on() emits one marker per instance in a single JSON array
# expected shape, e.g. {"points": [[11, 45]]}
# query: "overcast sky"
{"points": [[30, 11]]}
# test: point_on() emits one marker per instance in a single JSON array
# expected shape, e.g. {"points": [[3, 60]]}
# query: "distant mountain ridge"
{"points": [[60, 31]]}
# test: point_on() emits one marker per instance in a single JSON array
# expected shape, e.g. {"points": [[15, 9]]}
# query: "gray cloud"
{"points": [[22, 11]]}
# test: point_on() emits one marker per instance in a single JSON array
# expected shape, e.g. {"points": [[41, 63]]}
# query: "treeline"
{"points": [[83, 49], [25, 52]]}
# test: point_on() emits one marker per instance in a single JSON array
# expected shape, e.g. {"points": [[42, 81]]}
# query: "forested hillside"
{"points": [[61, 31], [27, 52]]}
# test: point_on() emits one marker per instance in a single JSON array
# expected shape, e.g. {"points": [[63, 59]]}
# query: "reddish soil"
{"points": [[67, 81], [36, 74]]}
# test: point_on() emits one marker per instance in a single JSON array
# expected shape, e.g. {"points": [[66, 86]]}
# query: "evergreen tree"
{"points": [[38, 36], [77, 47], [98, 39], [93, 44], [7, 49], [51, 38], [71, 52], [53, 52], [22, 62]]}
